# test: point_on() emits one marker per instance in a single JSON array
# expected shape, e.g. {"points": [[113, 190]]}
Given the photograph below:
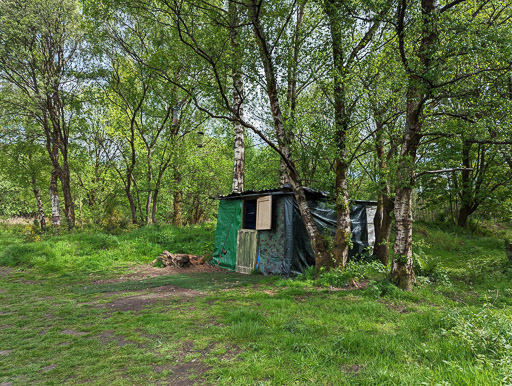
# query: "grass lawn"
{"points": [[87, 312]]}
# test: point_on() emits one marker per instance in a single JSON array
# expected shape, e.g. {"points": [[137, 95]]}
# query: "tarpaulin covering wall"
{"points": [[229, 221], [273, 242], [300, 253], [359, 228]]}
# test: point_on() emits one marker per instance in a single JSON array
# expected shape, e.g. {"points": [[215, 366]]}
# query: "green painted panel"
{"points": [[229, 221]]}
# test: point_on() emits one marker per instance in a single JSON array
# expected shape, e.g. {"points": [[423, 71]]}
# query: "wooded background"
{"points": [[135, 112]]}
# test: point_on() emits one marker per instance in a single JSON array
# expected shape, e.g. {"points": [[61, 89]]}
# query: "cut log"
{"points": [[174, 260], [197, 260], [179, 260]]}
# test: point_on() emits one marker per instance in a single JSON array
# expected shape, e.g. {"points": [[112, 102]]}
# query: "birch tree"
{"points": [[39, 44], [442, 67]]}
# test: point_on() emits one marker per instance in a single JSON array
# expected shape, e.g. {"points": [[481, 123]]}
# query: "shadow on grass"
{"points": [[199, 281]]}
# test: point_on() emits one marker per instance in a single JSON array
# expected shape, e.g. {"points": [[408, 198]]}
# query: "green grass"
{"points": [[96, 250], [201, 281], [62, 327]]}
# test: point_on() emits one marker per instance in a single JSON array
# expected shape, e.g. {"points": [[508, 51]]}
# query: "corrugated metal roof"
{"points": [[284, 190], [311, 194]]}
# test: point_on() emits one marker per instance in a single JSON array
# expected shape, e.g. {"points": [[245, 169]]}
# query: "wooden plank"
{"points": [[247, 250], [264, 213]]}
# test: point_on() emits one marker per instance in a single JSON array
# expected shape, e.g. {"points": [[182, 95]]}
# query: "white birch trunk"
{"points": [[54, 198], [238, 92]]}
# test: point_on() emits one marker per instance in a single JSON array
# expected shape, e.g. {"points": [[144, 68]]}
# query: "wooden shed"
{"points": [[264, 230]]}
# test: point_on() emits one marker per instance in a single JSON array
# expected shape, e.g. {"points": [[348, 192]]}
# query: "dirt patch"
{"points": [[5, 352], [73, 332], [352, 369], [5, 271], [147, 271], [271, 293], [108, 337], [353, 285], [397, 307], [50, 368], [182, 372], [30, 282], [148, 298]]}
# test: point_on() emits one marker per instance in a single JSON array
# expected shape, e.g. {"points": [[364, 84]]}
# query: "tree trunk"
{"points": [[149, 201], [341, 124], [40, 208], [133, 208], [381, 248], [149, 218], [177, 212], [462, 218], [402, 271], [155, 199], [418, 92], [466, 191], [383, 219], [54, 198], [284, 175], [343, 231], [238, 86], [239, 159], [317, 243], [322, 257], [69, 206]]}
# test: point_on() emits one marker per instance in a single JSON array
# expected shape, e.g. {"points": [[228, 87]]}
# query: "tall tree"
{"points": [[238, 99], [441, 68], [346, 53], [39, 42]]}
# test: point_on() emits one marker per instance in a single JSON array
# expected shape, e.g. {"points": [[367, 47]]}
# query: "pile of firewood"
{"points": [[178, 260]]}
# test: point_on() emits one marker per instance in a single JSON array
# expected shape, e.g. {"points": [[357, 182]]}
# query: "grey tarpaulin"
{"points": [[359, 226], [298, 251]]}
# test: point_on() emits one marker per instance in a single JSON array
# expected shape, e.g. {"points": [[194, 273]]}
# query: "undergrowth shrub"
{"points": [[97, 250], [428, 270], [487, 335], [355, 271], [445, 240], [32, 234], [378, 289], [309, 274]]}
